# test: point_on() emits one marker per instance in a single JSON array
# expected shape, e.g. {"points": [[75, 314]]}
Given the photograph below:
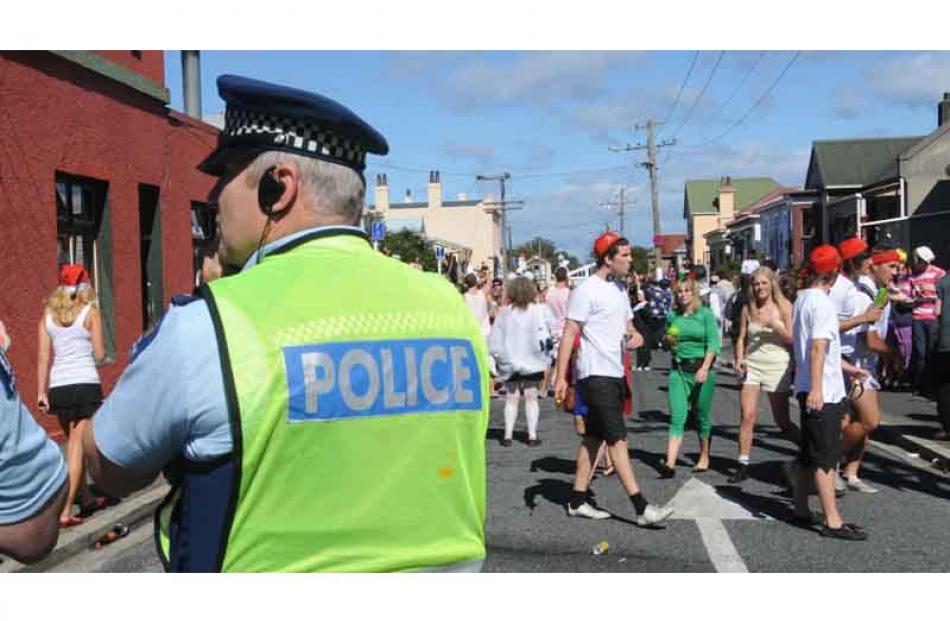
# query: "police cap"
{"points": [[269, 117]]}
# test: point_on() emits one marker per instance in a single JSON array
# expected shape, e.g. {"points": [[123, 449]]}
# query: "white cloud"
{"points": [[848, 103], [530, 78], [483, 154], [913, 81]]}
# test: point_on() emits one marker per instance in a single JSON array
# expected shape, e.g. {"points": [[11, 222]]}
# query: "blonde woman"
{"points": [[763, 360], [521, 343], [693, 337], [72, 328]]}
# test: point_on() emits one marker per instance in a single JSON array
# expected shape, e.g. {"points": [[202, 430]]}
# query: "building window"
{"points": [[204, 227], [84, 236], [150, 255]]}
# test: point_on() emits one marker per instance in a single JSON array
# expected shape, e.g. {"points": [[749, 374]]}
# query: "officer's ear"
{"points": [[287, 176]]}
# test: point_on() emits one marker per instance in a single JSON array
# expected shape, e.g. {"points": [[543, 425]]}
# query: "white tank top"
{"points": [[73, 361]]}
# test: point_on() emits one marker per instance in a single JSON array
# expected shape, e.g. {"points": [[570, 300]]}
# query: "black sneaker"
{"points": [[740, 475]]}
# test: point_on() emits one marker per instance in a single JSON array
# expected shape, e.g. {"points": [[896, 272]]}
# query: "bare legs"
{"points": [[825, 484], [74, 461], [867, 418], [673, 445], [587, 454], [749, 399]]}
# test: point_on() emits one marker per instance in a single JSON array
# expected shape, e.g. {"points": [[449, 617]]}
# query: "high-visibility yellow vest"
{"points": [[358, 392]]}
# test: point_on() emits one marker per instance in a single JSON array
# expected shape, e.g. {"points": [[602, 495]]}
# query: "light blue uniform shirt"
{"points": [[32, 468], [170, 400]]}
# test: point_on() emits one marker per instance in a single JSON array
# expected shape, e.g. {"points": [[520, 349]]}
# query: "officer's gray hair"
{"points": [[332, 192]]}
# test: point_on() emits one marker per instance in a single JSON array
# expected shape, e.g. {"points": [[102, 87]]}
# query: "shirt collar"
{"points": [[283, 241]]}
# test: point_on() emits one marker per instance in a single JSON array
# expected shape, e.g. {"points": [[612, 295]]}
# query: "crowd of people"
{"points": [[293, 426], [850, 322]]}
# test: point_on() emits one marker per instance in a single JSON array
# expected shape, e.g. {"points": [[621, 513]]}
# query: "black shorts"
{"points": [[821, 434], [604, 397], [519, 382], [74, 402]]}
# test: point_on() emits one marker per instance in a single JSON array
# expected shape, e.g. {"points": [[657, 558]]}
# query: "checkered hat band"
{"points": [[259, 128]]}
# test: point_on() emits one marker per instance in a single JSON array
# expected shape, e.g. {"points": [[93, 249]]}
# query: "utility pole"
{"points": [[651, 147], [621, 204], [503, 208]]}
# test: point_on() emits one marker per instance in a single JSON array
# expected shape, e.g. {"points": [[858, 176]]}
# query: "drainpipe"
{"points": [[903, 186], [861, 209], [191, 82]]}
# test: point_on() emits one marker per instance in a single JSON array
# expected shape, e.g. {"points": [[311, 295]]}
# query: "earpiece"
{"points": [[269, 191]]}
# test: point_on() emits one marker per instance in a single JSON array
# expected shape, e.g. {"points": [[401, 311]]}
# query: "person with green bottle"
{"points": [[693, 338]]}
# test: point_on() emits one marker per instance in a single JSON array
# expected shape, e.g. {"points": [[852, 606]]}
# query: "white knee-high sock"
{"points": [[511, 412], [532, 411]]}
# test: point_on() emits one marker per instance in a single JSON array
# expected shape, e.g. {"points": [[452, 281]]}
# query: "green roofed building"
{"points": [[709, 204], [886, 190]]}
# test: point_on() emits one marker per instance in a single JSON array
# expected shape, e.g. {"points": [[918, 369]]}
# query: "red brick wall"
{"points": [[57, 116]]}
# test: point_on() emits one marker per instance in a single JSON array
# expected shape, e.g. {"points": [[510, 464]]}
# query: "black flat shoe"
{"points": [[506, 442], [848, 532], [740, 475], [666, 472]]}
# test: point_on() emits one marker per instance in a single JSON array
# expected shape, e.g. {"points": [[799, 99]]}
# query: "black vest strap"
{"points": [[199, 519]]}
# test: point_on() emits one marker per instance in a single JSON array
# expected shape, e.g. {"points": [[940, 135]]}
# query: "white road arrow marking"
{"points": [[700, 502]]}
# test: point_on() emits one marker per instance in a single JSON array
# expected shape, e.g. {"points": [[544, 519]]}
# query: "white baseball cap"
{"points": [[749, 266], [924, 253]]}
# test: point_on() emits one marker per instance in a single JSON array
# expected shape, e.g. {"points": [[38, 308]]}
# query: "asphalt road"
{"points": [[718, 527]]}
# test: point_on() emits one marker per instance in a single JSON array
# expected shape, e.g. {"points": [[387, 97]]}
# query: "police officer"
{"points": [[325, 408], [33, 477]]}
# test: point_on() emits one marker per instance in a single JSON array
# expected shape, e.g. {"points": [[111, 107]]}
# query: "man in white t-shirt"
{"points": [[819, 385], [852, 321], [855, 251], [600, 312], [870, 343]]}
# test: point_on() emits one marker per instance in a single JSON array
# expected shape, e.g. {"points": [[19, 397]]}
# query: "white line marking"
{"points": [[724, 556]]}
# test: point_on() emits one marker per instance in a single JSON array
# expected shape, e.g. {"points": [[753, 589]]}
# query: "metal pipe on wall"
{"points": [[191, 82]]}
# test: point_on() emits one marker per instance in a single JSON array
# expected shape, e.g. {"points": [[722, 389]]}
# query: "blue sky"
{"points": [[549, 119]]}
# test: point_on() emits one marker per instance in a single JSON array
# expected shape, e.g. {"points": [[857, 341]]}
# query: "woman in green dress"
{"points": [[693, 338]]}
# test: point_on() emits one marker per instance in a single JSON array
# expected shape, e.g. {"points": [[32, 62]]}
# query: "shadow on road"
{"points": [[555, 491], [553, 465]]}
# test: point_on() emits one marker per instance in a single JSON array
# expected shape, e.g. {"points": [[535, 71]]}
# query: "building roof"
{"points": [[701, 194], [669, 243], [857, 162], [771, 197], [925, 142]]}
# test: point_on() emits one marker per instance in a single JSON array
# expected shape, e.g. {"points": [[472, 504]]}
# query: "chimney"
{"points": [[382, 195], [726, 200], [943, 111], [191, 82], [434, 190]]}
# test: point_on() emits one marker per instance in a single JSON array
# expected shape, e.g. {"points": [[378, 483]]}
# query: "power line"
{"points": [[682, 86], [739, 86], [573, 172], [566, 173], [755, 105], [689, 114]]}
